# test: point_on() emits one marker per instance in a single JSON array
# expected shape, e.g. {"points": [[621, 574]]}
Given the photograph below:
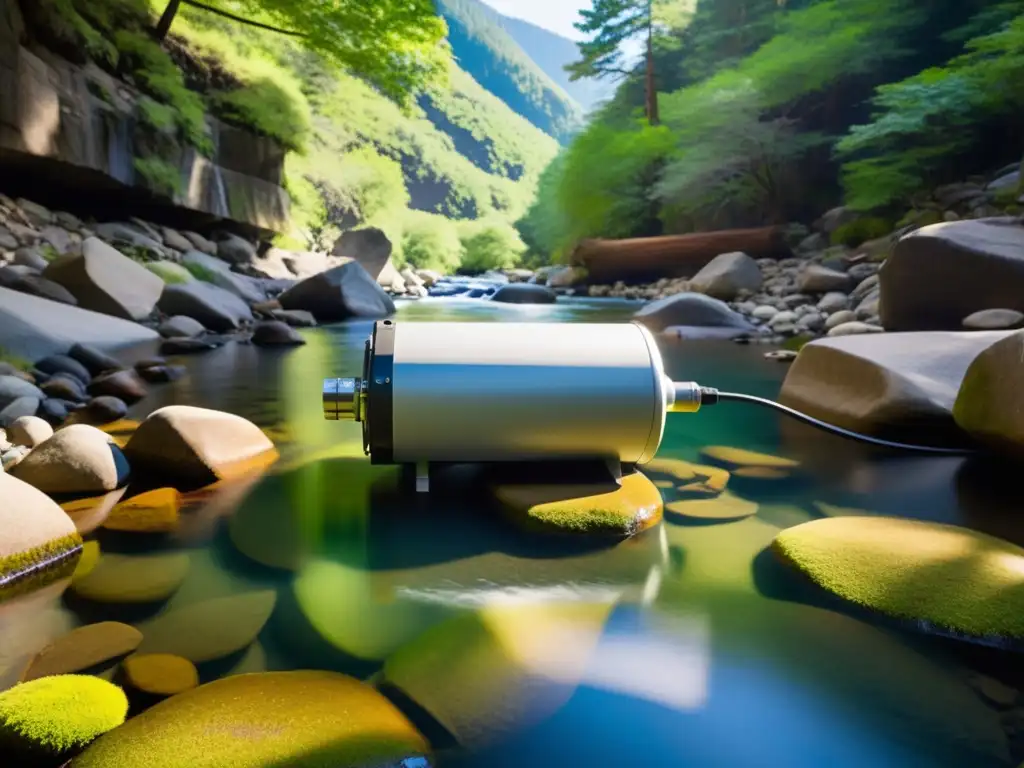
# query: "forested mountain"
{"points": [[551, 53], [485, 50], [444, 175], [774, 111]]}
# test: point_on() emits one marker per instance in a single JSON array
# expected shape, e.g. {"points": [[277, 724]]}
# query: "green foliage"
{"points": [[490, 244], [487, 51], [162, 177], [861, 230], [158, 76], [56, 715], [430, 241], [70, 28], [48, 252]]}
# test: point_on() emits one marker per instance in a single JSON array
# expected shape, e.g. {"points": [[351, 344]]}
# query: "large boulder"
{"points": [[898, 385], [371, 248], [347, 290], [33, 327], [215, 308], [940, 274], [77, 459], [726, 275], [219, 273], [33, 528], [990, 403], [524, 293], [692, 310], [104, 280], [196, 446]]}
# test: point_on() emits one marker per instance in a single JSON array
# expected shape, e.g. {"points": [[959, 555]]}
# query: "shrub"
{"points": [[490, 244], [430, 241]]}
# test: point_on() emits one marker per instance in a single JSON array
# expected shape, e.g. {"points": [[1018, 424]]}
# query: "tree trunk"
{"points": [[164, 25], [651, 87]]}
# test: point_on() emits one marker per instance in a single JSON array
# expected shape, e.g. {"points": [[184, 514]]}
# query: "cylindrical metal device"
{"points": [[504, 392]]}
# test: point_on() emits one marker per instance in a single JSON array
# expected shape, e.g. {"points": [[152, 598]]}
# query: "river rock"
{"points": [[219, 273], [30, 257], [853, 328], [993, 320], [119, 233], [29, 431], [58, 238], [95, 360], [834, 301], [174, 239], [234, 249], [8, 241], [18, 409], [170, 272], [970, 266], [104, 280], [36, 285], [894, 385], [77, 459], [162, 374], [271, 333], [106, 409], [64, 387], [54, 364], [13, 387], [32, 528], [160, 674], [818, 279], [341, 292], [726, 275], [833, 219], [180, 326], [691, 309], [215, 308], [186, 346], [990, 403], [566, 277], [84, 647], [524, 293], [200, 243], [195, 445], [55, 410], [294, 317], [132, 579], [125, 385], [290, 718]]}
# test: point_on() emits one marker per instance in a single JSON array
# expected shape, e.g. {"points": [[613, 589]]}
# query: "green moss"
{"points": [[63, 19], [796, 343], [861, 230], [16, 361], [264, 719], [201, 272], [918, 218], [59, 714], [157, 116], [48, 252], [951, 579], [267, 106], [159, 175], [170, 273], [62, 548]]}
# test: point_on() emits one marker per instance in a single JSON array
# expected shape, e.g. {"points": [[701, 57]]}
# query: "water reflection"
{"points": [[682, 646]]}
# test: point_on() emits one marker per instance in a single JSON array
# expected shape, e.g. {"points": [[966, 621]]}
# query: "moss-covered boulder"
{"points": [[132, 578], [160, 674], [211, 629], [83, 648], [155, 511], [78, 459], [950, 579], [724, 507], [295, 719], [489, 673], [990, 402], [33, 529], [57, 716], [196, 446], [600, 509]]}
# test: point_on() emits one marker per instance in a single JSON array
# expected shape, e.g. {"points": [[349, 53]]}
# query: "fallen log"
{"points": [[651, 258]]}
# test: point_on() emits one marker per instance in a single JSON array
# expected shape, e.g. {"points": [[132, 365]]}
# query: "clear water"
{"points": [[703, 652]]}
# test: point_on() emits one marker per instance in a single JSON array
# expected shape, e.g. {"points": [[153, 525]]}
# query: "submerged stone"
{"points": [[211, 629], [690, 478], [132, 578], [737, 458], [83, 648], [724, 507], [943, 577], [160, 674], [54, 716], [606, 508], [297, 719], [151, 512]]}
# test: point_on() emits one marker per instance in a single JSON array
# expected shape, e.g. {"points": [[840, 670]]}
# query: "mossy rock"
{"points": [[490, 673], [603, 509], [155, 511], [83, 648], [737, 458], [57, 716], [160, 674], [724, 507], [170, 272], [211, 629], [860, 230], [34, 531], [689, 477], [296, 719], [132, 578], [945, 578]]}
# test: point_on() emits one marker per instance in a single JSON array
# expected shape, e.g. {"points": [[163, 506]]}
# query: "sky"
{"points": [[554, 15]]}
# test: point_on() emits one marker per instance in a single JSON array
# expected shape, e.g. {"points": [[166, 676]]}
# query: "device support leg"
{"points": [[422, 477]]}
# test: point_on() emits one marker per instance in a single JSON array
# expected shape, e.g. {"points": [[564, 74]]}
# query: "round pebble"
{"points": [[160, 674]]}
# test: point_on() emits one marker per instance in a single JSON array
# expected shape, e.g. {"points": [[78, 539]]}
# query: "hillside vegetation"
{"points": [[444, 173], [484, 48], [775, 111]]}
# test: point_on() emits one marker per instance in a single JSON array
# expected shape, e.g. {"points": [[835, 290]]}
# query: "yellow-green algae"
{"points": [[488, 673], [59, 714], [950, 578], [160, 674], [297, 719], [593, 509], [19, 564]]}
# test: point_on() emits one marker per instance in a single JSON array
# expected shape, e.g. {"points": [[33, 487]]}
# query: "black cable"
{"points": [[710, 396], [241, 20]]}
